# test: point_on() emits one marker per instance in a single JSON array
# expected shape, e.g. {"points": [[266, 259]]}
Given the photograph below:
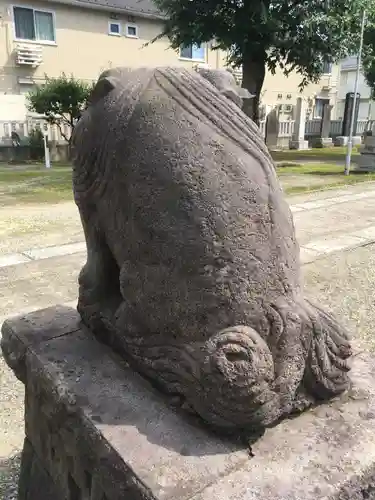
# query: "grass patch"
{"points": [[318, 177], [35, 185], [319, 154], [311, 169]]}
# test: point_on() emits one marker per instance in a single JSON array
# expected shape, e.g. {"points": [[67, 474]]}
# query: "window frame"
{"points": [[192, 59], [34, 9], [131, 25], [330, 67], [320, 116], [344, 77], [111, 33]]}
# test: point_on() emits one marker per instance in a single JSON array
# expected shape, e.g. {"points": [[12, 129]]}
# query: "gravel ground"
{"points": [[344, 283], [31, 226]]}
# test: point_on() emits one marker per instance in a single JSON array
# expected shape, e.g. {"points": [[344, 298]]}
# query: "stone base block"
{"points": [[366, 162], [299, 145], [323, 142], [370, 142], [342, 140], [96, 430], [34, 479]]}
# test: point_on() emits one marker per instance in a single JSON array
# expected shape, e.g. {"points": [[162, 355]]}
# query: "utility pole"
{"points": [[359, 59]]}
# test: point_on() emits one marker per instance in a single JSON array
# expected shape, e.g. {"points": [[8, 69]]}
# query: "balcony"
{"points": [[28, 55], [328, 82], [349, 63]]}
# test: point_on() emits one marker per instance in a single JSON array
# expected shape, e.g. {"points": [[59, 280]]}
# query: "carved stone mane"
{"points": [[193, 270]]}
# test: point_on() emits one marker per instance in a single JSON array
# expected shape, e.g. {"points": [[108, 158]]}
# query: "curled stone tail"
{"points": [[328, 364]]}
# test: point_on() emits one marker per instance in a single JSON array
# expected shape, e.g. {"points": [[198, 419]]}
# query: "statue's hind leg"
{"points": [[99, 291]]}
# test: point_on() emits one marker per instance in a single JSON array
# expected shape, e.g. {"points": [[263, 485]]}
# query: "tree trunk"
{"points": [[254, 71]]}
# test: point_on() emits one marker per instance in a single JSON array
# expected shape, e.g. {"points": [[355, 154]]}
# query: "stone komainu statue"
{"points": [[193, 270]]}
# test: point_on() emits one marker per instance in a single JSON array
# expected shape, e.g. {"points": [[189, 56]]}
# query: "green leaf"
{"points": [[60, 100], [259, 35]]}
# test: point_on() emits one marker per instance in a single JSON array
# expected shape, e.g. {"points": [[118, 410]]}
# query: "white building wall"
{"points": [[346, 84], [12, 107]]}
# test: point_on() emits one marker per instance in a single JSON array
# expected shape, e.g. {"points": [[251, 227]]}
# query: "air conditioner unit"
{"points": [[28, 55], [287, 108]]}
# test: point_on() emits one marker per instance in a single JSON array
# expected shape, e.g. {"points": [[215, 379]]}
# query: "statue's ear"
{"points": [[232, 95], [103, 87]]}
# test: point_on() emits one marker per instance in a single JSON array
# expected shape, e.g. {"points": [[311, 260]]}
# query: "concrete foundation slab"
{"points": [[368, 233], [95, 429], [299, 144], [307, 255], [342, 140], [335, 244], [366, 162], [323, 142], [55, 251], [11, 260]]}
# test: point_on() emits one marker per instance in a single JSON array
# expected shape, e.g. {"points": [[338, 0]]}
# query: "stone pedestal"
{"points": [[272, 129], [300, 144], [324, 140], [95, 430], [366, 162], [298, 137], [342, 140]]}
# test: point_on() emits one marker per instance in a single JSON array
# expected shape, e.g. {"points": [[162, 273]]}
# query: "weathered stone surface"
{"points": [[193, 270], [35, 482], [28, 330], [97, 428], [366, 162]]}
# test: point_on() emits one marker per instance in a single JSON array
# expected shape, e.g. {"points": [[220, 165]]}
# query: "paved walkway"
{"points": [[325, 222], [39, 271], [38, 276]]}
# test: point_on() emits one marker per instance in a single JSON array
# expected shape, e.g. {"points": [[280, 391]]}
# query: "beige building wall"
{"points": [[83, 46], [279, 89]]}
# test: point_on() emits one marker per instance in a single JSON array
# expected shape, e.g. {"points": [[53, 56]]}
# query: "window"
{"points": [[26, 88], [30, 24], [319, 107], [131, 31], [327, 68], [344, 78], [114, 28], [193, 52]]}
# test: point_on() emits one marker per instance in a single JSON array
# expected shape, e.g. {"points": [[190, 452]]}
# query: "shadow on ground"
{"points": [[9, 471]]}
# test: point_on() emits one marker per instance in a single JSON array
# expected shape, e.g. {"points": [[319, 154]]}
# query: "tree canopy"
{"points": [[61, 100], [262, 35], [368, 58]]}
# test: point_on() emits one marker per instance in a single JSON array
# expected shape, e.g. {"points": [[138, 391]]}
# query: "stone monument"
{"points": [[366, 162], [342, 140], [325, 141], [193, 270], [193, 281], [272, 129], [298, 139]]}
